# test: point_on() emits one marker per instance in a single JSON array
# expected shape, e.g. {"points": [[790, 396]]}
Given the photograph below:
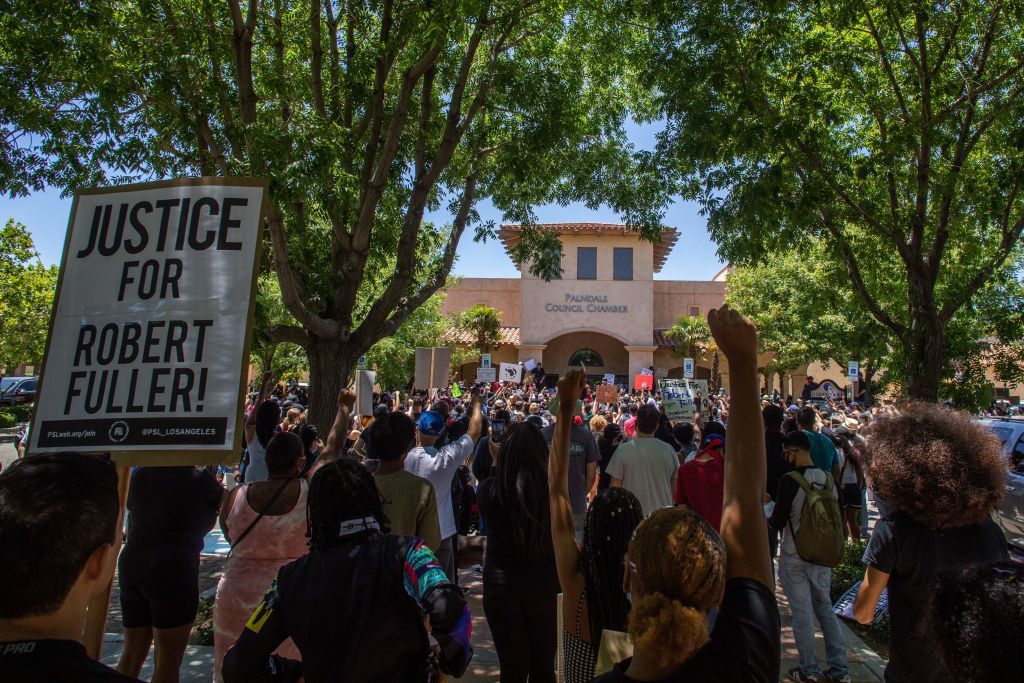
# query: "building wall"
{"points": [[620, 308], [673, 298], [501, 294]]}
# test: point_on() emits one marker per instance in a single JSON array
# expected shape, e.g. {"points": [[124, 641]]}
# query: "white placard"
{"points": [[485, 360], [529, 365], [688, 368], [365, 381], [149, 338], [609, 378], [511, 372], [486, 374]]}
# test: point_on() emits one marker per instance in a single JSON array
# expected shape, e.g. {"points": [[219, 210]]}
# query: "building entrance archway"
{"points": [[583, 345]]}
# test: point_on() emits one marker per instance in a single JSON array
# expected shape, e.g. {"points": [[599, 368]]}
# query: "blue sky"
{"points": [[693, 258]]}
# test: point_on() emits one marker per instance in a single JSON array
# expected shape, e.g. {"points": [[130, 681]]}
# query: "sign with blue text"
{"points": [[149, 339]]}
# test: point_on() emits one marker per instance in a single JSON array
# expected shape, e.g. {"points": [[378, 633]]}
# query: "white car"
{"points": [[1010, 431]]}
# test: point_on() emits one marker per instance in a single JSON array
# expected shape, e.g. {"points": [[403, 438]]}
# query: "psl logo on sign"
{"points": [[511, 372]]}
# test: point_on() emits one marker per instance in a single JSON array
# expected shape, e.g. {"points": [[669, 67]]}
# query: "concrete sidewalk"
{"points": [[865, 665]]}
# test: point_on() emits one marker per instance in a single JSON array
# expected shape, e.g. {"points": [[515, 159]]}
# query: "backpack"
{"points": [[820, 539]]}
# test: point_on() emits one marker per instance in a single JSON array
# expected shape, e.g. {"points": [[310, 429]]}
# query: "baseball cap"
{"points": [[430, 423]]}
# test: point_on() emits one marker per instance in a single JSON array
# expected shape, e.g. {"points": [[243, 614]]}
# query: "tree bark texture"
{"points": [[330, 365]]}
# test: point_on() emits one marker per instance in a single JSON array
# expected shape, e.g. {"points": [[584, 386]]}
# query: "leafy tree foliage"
{"points": [[283, 359], [892, 132], [27, 289], [363, 115], [485, 325], [692, 335]]}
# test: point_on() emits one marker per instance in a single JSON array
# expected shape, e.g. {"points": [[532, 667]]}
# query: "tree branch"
{"points": [[291, 290], [887, 66], [316, 58], [288, 334]]}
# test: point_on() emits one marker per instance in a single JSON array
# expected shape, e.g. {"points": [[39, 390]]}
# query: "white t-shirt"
{"points": [[849, 471], [646, 466], [438, 466]]}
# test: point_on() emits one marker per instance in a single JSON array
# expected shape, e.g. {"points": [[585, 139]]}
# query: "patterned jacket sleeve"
{"points": [[444, 604]]}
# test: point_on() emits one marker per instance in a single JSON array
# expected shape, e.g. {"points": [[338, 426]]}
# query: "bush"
{"points": [[849, 570], [7, 419], [202, 630], [21, 413]]}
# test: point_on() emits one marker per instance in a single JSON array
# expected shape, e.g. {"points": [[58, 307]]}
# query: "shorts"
{"points": [[851, 496], [159, 585]]}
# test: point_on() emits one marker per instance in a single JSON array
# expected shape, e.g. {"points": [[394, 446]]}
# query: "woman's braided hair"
{"points": [[342, 489], [608, 526]]}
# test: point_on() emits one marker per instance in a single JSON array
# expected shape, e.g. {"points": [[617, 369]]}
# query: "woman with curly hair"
{"points": [[678, 567], [941, 474]]}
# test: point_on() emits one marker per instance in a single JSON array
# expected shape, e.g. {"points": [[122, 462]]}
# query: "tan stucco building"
{"points": [[607, 309]]}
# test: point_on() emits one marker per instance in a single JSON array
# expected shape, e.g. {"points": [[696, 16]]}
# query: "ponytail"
{"points": [[666, 626]]}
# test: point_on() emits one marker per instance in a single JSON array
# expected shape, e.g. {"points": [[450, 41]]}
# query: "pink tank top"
{"points": [[275, 537]]}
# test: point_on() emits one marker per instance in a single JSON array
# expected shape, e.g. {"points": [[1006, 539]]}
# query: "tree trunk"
{"points": [[924, 352], [330, 369]]}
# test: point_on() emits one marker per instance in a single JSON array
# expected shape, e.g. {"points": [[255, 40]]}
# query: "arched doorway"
{"points": [[598, 353]]}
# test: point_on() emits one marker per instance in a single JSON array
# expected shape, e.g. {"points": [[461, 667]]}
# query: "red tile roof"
{"points": [[506, 335], [509, 235], [510, 336]]}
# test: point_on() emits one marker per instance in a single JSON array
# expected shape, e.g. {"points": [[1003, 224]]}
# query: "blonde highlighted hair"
{"points": [[678, 560]]}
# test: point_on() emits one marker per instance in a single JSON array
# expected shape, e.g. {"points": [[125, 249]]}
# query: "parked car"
{"points": [[1010, 431], [17, 390]]}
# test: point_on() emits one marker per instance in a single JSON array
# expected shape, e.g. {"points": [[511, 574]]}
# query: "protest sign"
{"points": [[609, 378], [149, 339], [844, 605], [432, 367], [643, 382], [675, 409], [365, 379], [607, 393], [529, 364], [511, 372], [486, 374]]}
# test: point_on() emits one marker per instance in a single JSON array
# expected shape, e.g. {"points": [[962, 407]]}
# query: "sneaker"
{"points": [[845, 678], [795, 674]]}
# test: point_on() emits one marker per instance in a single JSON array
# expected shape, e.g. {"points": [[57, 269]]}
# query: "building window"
{"points": [[622, 263], [694, 311], [587, 358], [586, 263]]}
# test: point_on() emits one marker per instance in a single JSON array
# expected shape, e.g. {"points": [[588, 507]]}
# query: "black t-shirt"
{"points": [[777, 465], [53, 661], [744, 644], [173, 505], [913, 556], [505, 562]]}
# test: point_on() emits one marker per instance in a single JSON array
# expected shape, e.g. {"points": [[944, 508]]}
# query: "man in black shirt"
{"points": [[57, 519]]}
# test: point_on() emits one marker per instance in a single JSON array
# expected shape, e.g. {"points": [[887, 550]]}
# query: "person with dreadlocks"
{"points": [[591, 577], [520, 582], [678, 568], [358, 591]]}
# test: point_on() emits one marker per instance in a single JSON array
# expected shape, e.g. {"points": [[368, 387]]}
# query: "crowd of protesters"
{"points": [[660, 542]]}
